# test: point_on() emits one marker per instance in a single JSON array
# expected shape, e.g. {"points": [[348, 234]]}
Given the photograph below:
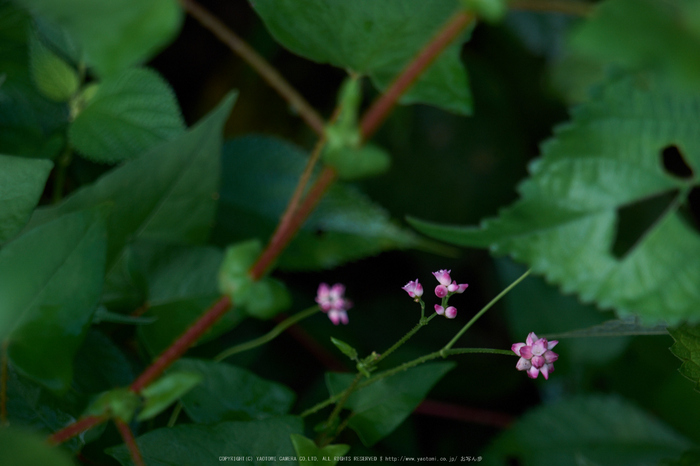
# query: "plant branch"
{"points": [[258, 63], [483, 310], [130, 442], [75, 429], [182, 344], [570, 7], [380, 109], [422, 323], [283, 236]]}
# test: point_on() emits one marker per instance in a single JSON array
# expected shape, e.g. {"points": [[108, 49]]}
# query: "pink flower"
{"points": [[455, 288], [443, 276], [536, 356], [332, 301], [439, 309], [450, 312], [441, 291], [414, 289]]}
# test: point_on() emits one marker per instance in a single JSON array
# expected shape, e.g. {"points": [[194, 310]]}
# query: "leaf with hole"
{"points": [[587, 430], [129, 113], [195, 444], [604, 181], [381, 407], [378, 39], [21, 184], [260, 175], [50, 281], [230, 393]]}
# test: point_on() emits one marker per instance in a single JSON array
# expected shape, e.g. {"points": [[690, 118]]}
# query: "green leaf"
{"points": [[687, 349], [595, 429], [354, 163], [345, 225], [100, 365], [27, 449], [314, 455], [688, 458], [577, 205], [645, 34], [377, 39], [21, 184], [166, 195], [120, 403], [347, 350], [113, 35], [180, 284], [54, 78], [379, 408], [164, 391], [234, 276], [130, 113], [50, 282], [194, 444], [230, 393]]}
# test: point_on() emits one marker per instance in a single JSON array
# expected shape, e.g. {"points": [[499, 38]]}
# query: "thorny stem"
{"points": [[482, 311], [380, 109], [571, 7], [182, 344], [130, 442], [403, 367], [258, 63], [3, 383]]}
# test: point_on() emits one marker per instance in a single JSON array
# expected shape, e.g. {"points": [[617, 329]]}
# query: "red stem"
{"points": [[283, 236], [130, 442], [182, 344], [77, 428], [380, 109]]}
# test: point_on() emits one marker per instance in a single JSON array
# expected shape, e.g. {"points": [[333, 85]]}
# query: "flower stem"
{"points": [[182, 344], [422, 323], [403, 367], [258, 63], [279, 328], [345, 394], [483, 310], [380, 109], [75, 429], [130, 442]]}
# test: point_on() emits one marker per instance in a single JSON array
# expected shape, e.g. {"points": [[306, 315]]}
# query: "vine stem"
{"points": [[76, 428], [380, 109], [258, 63], [422, 323], [182, 344], [403, 367], [571, 7], [483, 310], [129, 441], [3, 383]]}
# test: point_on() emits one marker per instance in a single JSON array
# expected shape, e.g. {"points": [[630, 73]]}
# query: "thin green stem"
{"points": [[422, 323], [323, 441], [403, 367], [483, 311], [279, 328]]}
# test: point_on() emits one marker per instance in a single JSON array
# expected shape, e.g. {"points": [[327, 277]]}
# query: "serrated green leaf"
{"points": [[374, 38], [381, 407], [113, 35], [260, 175], [195, 444], [165, 195], [27, 449], [609, 157], [687, 349], [164, 391], [50, 282], [230, 393], [600, 430], [645, 34], [21, 184], [130, 113], [54, 78], [315, 455]]}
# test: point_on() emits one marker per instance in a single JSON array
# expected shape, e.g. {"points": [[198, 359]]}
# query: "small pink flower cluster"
{"points": [[331, 301], [536, 356], [446, 288]]}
